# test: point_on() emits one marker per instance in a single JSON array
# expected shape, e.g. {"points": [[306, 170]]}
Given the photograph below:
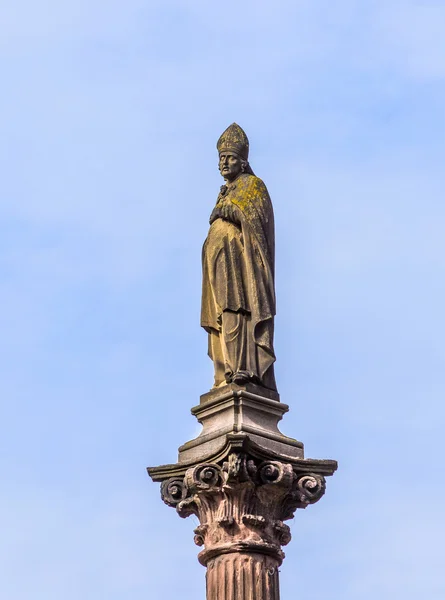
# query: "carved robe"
{"points": [[238, 294]]}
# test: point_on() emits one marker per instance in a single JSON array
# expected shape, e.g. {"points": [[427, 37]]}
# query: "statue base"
{"points": [[238, 409], [240, 418]]}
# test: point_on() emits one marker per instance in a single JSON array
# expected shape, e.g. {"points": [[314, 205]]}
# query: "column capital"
{"points": [[242, 502]]}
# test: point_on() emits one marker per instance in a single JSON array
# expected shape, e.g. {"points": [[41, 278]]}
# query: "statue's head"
{"points": [[231, 165], [233, 149]]}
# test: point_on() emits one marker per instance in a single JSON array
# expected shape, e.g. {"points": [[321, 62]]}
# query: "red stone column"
{"points": [[241, 504], [243, 576]]}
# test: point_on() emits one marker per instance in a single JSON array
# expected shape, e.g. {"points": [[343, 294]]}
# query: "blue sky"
{"points": [[110, 113]]}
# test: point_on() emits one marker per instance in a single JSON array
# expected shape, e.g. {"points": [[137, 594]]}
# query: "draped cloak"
{"points": [[238, 269]]}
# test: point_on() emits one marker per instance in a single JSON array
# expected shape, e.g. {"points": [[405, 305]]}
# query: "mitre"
{"points": [[234, 140]]}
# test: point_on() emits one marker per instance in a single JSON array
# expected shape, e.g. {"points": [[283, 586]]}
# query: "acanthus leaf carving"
{"points": [[200, 532], [238, 468], [283, 531], [242, 502], [255, 521]]}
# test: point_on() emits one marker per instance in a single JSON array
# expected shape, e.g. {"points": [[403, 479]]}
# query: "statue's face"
{"points": [[230, 165]]}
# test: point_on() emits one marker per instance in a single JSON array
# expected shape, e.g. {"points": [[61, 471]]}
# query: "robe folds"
{"points": [[238, 292]]}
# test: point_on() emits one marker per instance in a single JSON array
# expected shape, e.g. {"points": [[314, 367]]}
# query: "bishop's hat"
{"points": [[234, 140]]}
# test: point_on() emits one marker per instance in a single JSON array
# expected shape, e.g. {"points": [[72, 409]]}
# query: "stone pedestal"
{"points": [[248, 409], [242, 478]]}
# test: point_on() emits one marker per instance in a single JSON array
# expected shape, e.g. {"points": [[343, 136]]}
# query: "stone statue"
{"points": [[238, 292]]}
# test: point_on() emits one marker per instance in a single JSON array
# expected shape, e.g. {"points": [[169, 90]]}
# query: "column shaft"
{"points": [[242, 576]]}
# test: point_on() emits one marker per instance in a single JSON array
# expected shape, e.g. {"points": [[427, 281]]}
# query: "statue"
{"points": [[238, 292]]}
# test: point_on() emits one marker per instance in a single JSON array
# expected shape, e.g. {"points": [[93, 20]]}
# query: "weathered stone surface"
{"points": [[238, 289]]}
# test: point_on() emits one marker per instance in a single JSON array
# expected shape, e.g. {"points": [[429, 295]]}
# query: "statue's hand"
{"points": [[226, 211], [230, 213], [216, 214]]}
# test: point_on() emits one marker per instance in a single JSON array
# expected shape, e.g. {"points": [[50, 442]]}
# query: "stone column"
{"points": [[242, 504], [242, 575], [242, 478]]}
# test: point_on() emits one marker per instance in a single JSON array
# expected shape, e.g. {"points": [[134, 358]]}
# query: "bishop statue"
{"points": [[238, 291]]}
